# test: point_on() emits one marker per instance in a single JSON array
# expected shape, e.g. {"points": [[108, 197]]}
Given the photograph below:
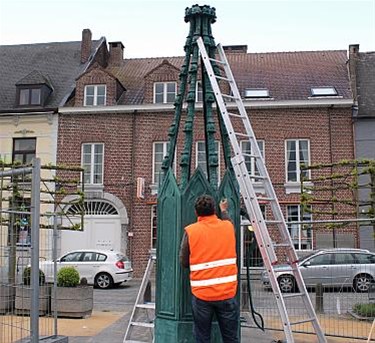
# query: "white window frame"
{"points": [[95, 97], [154, 223], [165, 151], [298, 228], [165, 93], [92, 159], [298, 161], [261, 146], [197, 143]]}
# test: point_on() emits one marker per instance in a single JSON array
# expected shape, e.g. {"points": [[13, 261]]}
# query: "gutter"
{"points": [[17, 112], [260, 104]]}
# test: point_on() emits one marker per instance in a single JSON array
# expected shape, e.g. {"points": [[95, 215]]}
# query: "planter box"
{"points": [[6, 298], [23, 299], [75, 302]]}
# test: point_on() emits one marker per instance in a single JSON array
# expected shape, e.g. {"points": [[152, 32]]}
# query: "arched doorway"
{"points": [[102, 227]]}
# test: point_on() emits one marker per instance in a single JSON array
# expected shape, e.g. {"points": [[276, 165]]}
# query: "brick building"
{"points": [[116, 125]]}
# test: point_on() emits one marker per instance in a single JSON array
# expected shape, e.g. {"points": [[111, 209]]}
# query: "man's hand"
{"points": [[223, 205]]}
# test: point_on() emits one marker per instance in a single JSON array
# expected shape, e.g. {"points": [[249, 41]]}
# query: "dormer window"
{"points": [[256, 93], [30, 96], [95, 95], [164, 92], [33, 90], [323, 91]]}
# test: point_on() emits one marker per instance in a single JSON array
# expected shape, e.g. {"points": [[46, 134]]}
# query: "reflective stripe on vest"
{"points": [[213, 264], [216, 281]]}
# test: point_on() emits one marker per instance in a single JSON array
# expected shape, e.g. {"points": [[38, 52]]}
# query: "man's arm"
{"points": [[184, 251]]}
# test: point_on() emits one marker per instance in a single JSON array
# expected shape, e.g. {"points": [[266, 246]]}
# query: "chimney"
{"points": [[353, 57], [116, 53], [86, 45], [235, 49]]}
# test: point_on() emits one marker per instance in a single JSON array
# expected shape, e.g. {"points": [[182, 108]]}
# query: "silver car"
{"points": [[331, 268]]}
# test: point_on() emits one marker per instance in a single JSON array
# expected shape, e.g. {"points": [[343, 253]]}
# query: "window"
{"points": [[257, 93], [95, 95], [30, 96], [72, 257], [199, 92], [250, 161], [92, 162], [160, 150], [297, 154], [344, 258], [248, 244], [201, 159], [323, 259], [24, 150], [323, 91], [154, 221], [365, 258], [164, 92], [301, 234]]}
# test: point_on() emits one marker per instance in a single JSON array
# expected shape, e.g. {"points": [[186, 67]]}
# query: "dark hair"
{"points": [[205, 205]]}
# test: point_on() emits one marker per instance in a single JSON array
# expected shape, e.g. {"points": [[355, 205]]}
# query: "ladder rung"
{"points": [[303, 321], [293, 295], [260, 177], [241, 134], [282, 245], [273, 222], [223, 78], [146, 325], [147, 306], [250, 155], [235, 115], [229, 96], [265, 199], [217, 61]]}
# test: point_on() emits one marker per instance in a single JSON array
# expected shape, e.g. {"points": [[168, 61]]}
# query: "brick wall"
{"points": [[129, 137]]}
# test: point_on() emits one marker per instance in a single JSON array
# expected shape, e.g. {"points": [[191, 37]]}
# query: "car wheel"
{"points": [[103, 281], [286, 283], [362, 282]]}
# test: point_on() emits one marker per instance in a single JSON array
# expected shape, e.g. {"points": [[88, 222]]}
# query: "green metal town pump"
{"points": [[175, 208]]}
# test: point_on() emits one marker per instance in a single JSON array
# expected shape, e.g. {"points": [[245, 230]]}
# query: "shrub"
{"points": [[67, 277], [365, 310], [27, 277]]}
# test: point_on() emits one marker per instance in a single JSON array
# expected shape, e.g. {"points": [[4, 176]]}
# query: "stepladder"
{"points": [[241, 134], [141, 323]]}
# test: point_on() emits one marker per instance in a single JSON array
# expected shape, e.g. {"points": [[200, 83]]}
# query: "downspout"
{"points": [[332, 182], [132, 186]]}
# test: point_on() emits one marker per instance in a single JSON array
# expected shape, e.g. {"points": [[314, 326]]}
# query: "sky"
{"points": [[156, 28]]}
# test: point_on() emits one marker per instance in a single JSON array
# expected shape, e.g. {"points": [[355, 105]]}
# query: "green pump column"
{"points": [[175, 208]]}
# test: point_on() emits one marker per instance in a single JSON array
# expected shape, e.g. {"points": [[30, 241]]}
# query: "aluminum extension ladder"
{"points": [[143, 306], [239, 128]]}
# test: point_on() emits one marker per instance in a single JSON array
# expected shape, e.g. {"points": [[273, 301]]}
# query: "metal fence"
{"points": [[341, 286], [28, 234]]}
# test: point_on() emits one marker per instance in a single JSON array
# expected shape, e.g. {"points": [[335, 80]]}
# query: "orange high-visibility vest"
{"points": [[213, 259]]}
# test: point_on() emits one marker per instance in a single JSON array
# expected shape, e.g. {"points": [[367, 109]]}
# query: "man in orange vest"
{"points": [[209, 249]]}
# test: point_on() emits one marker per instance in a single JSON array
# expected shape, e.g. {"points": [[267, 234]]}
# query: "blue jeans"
{"points": [[227, 314]]}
